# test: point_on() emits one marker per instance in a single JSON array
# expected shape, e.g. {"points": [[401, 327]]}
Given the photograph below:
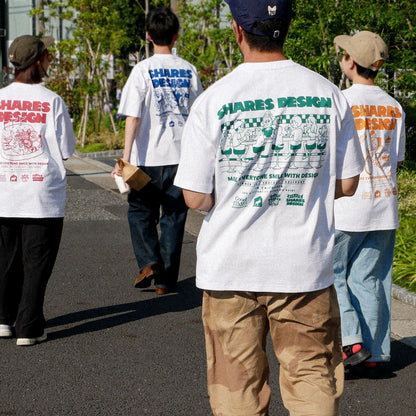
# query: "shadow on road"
{"points": [[105, 317]]}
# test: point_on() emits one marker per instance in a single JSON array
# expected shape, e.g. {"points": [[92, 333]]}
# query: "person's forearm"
{"points": [[346, 187], [197, 200], [129, 136]]}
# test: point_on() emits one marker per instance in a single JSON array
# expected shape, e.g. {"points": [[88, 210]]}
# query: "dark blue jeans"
{"points": [[159, 202]]}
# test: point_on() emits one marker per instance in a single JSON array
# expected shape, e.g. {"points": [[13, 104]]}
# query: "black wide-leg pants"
{"points": [[28, 250]]}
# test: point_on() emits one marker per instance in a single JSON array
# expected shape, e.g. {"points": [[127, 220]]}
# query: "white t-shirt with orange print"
{"points": [[379, 119]]}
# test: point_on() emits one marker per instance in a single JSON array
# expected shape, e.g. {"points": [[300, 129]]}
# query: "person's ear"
{"points": [[148, 37], [350, 64], [175, 37], [238, 31]]}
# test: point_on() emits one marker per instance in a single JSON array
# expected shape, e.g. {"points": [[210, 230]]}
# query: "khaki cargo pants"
{"points": [[305, 330]]}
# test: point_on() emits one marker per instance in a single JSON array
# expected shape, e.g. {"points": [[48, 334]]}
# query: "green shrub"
{"points": [[92, 147], [404, 264], [410, 110]]}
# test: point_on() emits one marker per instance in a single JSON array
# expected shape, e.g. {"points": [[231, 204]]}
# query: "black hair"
{"points": [[268, 43], [162, 25], [366, 73]]}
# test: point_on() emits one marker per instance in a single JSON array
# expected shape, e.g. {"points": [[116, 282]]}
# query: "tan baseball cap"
{"points": [[26, 50], [366, 48]]}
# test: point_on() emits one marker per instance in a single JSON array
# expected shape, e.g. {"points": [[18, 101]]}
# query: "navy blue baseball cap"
{"points": [[247, 13]]}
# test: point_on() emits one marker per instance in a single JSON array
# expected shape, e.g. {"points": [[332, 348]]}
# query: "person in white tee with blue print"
{"points": [[156, 101]]}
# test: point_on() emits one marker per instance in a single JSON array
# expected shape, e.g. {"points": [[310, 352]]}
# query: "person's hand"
{"points": [[116, 171]]}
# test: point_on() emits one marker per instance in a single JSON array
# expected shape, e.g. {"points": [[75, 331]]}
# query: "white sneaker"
{"points": [[25, 342], [5, 331]]}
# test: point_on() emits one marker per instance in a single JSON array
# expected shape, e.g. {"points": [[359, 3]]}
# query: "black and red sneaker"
{"points": [[354, 354]]}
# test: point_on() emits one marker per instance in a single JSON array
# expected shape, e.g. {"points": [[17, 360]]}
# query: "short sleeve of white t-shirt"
{"points": [[132, 98]]}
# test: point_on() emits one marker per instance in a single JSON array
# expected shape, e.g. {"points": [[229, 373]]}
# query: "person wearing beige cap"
{"points": [[36, 135], [366, 223]]}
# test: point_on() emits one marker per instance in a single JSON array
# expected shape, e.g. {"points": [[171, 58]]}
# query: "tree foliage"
{"points": [[104, 29], [207, 39], [101, 32], [316, 23]]}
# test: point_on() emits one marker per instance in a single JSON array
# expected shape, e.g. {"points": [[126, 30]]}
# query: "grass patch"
{"points": [[404, 263], [92, 147], [101, 142]]}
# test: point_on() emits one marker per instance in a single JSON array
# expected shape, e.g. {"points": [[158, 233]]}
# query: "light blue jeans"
{"points": [[363, 278]]}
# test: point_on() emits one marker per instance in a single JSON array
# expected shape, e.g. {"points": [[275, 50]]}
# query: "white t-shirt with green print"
{"points": [[269, 140]]}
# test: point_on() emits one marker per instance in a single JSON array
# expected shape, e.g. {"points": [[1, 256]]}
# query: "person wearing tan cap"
{"points": [[366, 223], [36, 135]]}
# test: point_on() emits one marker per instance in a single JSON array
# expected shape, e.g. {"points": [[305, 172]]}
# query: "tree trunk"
{"points": [[85, 118], [146, 12], [104, 86], [40, 27]]}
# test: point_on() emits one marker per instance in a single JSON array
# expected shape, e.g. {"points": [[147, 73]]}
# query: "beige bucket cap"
{"points": [[366, 48]]}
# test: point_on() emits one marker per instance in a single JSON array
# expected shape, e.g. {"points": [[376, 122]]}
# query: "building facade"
{"points": [[15, 21]]}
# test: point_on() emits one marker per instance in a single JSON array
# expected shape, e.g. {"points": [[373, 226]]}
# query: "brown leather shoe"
{"points": [[146, 276], [164, 291]]}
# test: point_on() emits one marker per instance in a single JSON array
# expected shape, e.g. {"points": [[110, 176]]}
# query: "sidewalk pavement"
{"points": [[403, 321]]}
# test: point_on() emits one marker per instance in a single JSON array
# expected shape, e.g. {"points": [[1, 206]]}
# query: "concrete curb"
{"points": [[403, 295], [95, 155]]}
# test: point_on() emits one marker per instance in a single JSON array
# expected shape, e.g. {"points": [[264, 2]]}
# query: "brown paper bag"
{"points": [[133, 175]]}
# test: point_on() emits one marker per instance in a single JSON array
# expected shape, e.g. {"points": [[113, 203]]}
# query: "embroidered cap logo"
{"points": [[272, 10]]}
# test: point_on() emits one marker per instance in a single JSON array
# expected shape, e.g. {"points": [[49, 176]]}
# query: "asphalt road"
{"points": [[115, 350]]}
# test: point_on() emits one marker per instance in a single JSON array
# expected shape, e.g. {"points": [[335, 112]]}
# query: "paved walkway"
{"points": [[115, 350], [403, 321]]}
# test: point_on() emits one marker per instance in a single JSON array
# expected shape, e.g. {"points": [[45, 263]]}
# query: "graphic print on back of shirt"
{"points": [[171, 92], [375, 125], [262, 155], [21, 143]]}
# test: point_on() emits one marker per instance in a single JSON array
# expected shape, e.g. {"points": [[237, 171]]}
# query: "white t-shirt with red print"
{"points": [[36, 134], [380, 123]]}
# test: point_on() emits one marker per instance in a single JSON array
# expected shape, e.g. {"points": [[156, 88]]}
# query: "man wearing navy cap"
{"points": [[265, 152]]}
